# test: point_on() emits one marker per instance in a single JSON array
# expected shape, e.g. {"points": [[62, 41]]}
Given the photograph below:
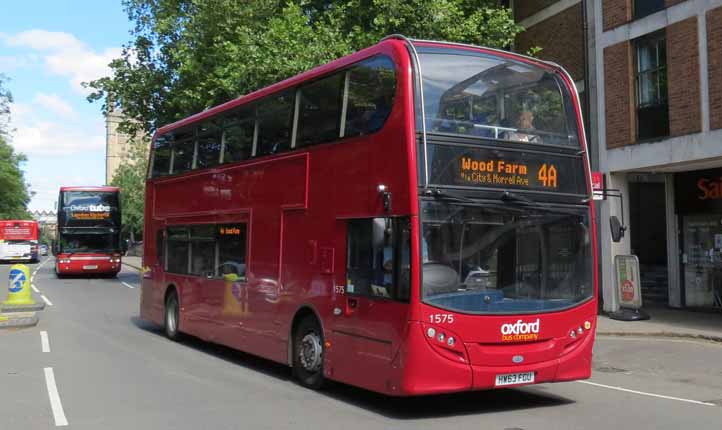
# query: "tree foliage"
{"points": [[186, 56], [14, 194], [130, 177]]}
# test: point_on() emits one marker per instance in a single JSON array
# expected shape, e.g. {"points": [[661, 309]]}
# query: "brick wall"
{"points": [[683, 90], [714, 66], [616, 13], [526, 8], [561, 38], [619, 98]]}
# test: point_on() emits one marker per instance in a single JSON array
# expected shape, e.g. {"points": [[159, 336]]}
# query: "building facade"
{"points": [[117, 144], [653, 88]]}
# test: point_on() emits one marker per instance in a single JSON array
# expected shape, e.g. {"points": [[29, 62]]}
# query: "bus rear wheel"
{"points": [[172, 314], [308, 353]]}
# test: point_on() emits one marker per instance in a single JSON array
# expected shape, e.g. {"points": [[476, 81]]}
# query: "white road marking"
{"points": [[54, 396], [44, 341], [45, 299], [642, 393], [127, 285], [35, 288]]}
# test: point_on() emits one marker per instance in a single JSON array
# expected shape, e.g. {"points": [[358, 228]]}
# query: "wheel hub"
{"points": [[311, 352]]}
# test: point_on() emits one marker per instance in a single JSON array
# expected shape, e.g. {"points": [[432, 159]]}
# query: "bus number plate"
{"points": [[514, 379], [90, 267]]}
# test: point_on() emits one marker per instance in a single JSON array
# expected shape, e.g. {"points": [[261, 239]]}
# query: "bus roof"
{"points": [[391, 42], [13, 221], [109, 189]]}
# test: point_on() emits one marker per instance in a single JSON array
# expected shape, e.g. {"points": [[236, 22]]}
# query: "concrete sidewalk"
{"points": [[134, 262], [664, 322]]}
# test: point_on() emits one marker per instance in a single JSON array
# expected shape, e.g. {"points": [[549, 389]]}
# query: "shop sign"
{"points": [[598, 185], [628, 282], [698, 191]]}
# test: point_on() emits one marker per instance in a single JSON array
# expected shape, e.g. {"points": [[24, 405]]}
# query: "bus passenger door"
{"points": [[374, 308]]}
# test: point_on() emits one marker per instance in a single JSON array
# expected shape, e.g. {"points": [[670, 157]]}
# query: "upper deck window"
{"points": [[371, 90], [274, 116], [479, 95], [161, 157]]}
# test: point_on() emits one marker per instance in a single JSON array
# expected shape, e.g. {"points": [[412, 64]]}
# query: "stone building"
{"points": [[116, 144], [651, 76]]}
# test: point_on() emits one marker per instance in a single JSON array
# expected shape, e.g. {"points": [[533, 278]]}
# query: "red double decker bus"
{"points": [[414, 218], [89, 223], [19, 240]]}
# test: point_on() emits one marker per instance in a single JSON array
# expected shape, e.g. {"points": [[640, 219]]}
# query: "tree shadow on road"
{"points": [[409, 408]]}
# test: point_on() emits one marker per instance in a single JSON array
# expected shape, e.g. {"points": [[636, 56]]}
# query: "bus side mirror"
{"points": [[617, 229]]}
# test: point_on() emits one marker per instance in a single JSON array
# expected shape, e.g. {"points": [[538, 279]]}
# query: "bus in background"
{"points": [[414, 218], [19, 240], [88, 240]]}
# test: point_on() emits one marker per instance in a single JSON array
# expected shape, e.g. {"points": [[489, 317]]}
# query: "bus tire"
{"points": [[308, 353], [171, 317]]}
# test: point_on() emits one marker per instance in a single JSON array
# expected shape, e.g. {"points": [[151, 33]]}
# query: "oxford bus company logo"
{"points": [[90, 208], [520, 331]]}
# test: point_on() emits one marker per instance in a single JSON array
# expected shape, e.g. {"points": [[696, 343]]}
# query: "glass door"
{"points": [[702, 260]]}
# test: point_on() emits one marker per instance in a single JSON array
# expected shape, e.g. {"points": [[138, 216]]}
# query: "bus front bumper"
{"points": [[426, 371]]}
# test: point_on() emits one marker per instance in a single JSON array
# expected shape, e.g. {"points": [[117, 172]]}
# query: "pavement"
{"points": [[92, 363]]}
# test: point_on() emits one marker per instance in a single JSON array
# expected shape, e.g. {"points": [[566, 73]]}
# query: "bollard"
{"points": [[19, 293]]}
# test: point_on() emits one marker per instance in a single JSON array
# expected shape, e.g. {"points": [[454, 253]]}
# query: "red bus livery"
{"points": [[88, 239], [19, 240], [414, 218]]}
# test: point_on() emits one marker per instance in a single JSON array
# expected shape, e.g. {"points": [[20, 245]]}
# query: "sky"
{"points": [[47, 49]]}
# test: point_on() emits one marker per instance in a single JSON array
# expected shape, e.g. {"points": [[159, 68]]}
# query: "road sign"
{"points": [[628, 282], [17, 280]]}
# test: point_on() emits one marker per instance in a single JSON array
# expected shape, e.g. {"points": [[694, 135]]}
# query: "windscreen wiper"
{"points": [[445, 195]]}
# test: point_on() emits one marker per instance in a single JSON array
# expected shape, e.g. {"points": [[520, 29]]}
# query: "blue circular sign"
{"points": [[17, 280]]}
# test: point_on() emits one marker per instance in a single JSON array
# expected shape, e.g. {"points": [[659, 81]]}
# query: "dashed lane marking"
{"points": [[642, 393], [55, 404], [45, 299], [127, 285], [35, 288], [44, 343]]}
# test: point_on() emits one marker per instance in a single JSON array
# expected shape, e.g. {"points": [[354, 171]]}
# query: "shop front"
{"points": [[698, 203]]}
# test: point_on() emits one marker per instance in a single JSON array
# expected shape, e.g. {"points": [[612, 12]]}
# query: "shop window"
{"points": [[378, 263], [232, 250], [643, 8], [651, 86]]}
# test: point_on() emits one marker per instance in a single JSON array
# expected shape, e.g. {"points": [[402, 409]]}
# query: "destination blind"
{"points": [[496, 168]]}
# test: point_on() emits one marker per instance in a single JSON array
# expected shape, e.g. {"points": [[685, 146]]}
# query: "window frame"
{"points": [[253, 105], [661, 84]]}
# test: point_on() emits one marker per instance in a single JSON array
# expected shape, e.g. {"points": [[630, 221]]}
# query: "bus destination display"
{"points": [[495, 168]]}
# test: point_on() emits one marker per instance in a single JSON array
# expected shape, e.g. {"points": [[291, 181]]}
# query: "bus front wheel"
{"points": [[308, 353], [172, 313]]}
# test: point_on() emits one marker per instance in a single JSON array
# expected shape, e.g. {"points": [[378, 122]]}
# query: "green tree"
{"points": [[130, 177], [14, 194]]}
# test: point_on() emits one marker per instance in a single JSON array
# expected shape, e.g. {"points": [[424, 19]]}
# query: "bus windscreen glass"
{"points": [[504, 258], [473, 94]]}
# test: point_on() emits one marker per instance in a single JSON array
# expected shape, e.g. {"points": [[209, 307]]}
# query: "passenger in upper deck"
{"points": [[524, 123]]}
